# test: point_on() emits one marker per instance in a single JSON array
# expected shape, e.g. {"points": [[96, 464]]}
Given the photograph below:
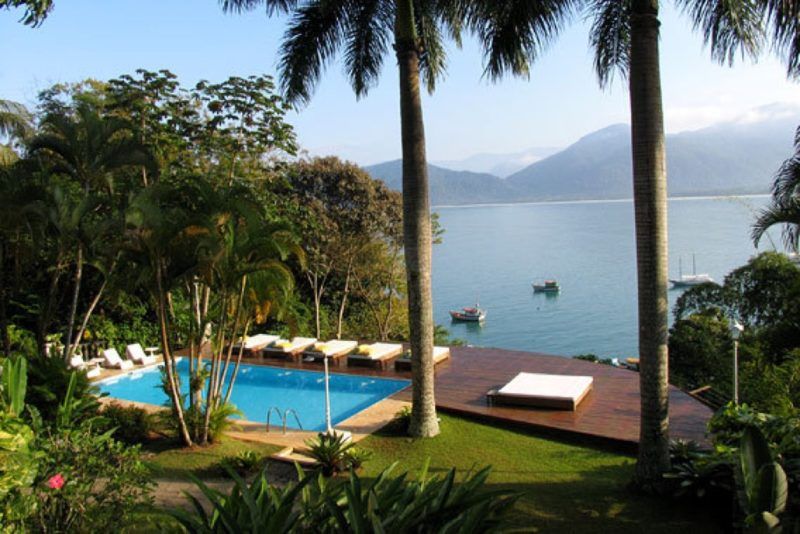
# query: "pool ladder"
{"points": [[283, 416]]}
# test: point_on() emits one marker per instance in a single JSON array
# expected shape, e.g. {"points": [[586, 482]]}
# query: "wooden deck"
{"points": [[609, 415]]}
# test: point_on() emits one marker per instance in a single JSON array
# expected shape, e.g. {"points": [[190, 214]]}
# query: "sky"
{"points": [[466, 115]]}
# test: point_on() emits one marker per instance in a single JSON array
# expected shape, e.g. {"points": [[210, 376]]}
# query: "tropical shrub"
{"points": [[387, 503], [62, 475], [48, 382], [332, 452], [129, 424], [86, 481]]}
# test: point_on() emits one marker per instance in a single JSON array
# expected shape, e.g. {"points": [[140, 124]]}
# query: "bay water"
{"points": [[492, 254]]}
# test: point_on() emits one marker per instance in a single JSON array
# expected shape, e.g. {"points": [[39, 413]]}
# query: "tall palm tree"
{"points": [[625, 36], [365, 29]]}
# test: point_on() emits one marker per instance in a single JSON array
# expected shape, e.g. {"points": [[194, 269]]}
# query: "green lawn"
{"points": [[566, 488], [171, 461]]}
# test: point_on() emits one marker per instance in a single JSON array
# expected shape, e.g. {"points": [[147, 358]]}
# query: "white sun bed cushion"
{"points": [[439, 354], [378, 351], [557, 387], [257, 341], [335, 346], [76, 362], [297, 343], [136, 354]]}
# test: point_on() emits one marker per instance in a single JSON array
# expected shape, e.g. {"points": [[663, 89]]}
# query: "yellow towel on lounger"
{"points": [[320, 347], [366, 350], [283, 343]]}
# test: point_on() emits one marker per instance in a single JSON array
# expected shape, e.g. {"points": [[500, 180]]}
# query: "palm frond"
{"points": [[779, 213], [368, 35], [35, 10], [609, 37], [272, 6], [433, 59], [513, 33], [784, 18], [15, 120], [316, 30], [729, 27], [787, 180]]}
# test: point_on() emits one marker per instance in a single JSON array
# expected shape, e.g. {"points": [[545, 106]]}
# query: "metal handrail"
{"points": [[283, 416], [280, 417], [296, 418]]}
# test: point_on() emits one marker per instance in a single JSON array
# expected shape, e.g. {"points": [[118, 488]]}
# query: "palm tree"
{"points": [[625, 36], [318, 29], [89, 148]]}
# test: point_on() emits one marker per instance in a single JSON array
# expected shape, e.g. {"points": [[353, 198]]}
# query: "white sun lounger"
{"points": [[112, 360], [376, 355], [76, 362], [283, 348], [440, 354], [334, 349], [543, 391], [135, 353], [254, 344]]}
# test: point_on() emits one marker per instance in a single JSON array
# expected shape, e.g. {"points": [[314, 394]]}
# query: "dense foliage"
{"points": [[764, 296], [387, 503], [63, 474]]}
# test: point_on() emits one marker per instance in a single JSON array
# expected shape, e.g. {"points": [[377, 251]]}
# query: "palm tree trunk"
{"points": [[650, 205], [416, 225], [169, 362], [4, 334], [73, 308]]}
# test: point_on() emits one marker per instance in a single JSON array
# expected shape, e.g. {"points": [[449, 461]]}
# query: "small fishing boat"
{"points": [[549, 286], [475, 314], [689, 280]]}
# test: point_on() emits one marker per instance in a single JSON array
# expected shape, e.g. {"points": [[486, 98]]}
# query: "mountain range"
{"points": [[738, 157]]}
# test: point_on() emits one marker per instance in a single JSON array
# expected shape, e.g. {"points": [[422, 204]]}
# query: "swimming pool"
{"points": [[258, 388]]}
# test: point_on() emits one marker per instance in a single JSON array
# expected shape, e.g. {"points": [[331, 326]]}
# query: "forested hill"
{"points": [[733, 158]]}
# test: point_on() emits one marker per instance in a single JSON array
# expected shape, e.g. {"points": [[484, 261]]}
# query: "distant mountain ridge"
{"points": [[730, 158], [501, 165]]}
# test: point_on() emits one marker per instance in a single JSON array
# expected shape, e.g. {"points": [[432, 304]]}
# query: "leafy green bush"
{"points": [[73, 478], [86, 481], [386, 503], [48, 381], [129, 424]]}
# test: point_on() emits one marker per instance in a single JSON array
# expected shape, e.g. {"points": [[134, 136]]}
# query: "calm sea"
{"points": [[493, 253]]}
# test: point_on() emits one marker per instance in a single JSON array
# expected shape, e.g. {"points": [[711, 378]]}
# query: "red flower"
{"points": [[56, 482]]}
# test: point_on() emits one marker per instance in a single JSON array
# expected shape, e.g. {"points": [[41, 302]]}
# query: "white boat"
{"points": [[690, 280]]}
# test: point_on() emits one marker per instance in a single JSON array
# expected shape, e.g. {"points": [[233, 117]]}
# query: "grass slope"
{"points": [[170, 461], [566, 488]]}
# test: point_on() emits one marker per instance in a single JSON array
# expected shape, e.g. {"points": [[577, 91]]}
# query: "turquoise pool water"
{"points": [[258, 388]]}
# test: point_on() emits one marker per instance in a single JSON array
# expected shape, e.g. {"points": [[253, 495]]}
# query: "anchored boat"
{"points": [[549, 286], [475, 314], [689, 280]]}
